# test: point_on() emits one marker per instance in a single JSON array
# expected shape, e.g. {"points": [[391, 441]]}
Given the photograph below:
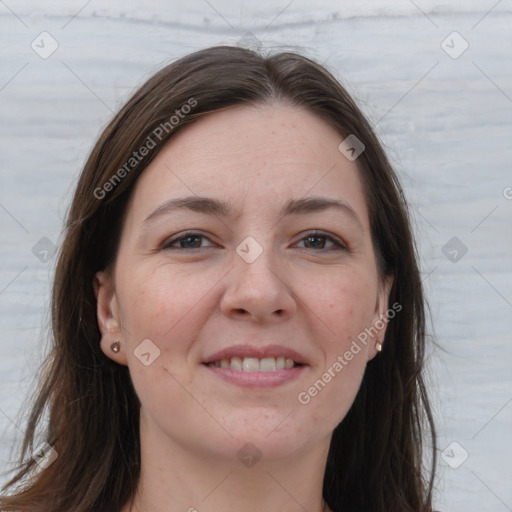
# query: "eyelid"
{"points": [[334, 239], [167, 243], [338, 243]]}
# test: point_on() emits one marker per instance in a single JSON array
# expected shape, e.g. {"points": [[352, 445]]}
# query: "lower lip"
{"points": [[257, 379]]}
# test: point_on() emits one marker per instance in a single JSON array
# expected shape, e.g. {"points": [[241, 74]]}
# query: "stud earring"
{"points": [[378, 347], [115, 347]]}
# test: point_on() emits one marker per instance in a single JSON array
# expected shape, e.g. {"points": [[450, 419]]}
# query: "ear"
{"points": [[107, 313], [380, 316]]}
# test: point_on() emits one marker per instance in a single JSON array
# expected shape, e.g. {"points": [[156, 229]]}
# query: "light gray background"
{"points": [[445, 121]]}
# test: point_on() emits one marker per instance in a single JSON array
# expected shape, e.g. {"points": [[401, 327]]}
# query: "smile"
{"points": [[253, 364], [251, 372]]}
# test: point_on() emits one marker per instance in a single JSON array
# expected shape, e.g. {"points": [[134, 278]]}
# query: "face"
{"points": [[272, 275]]}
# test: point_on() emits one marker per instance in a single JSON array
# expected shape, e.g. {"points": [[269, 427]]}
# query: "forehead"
{"points": [[253, 157]]}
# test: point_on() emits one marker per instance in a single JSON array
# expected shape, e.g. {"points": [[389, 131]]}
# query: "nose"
{"points": [[259, 290]]}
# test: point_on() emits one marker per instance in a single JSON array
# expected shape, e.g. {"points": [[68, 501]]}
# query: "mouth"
{"points": [[254, 364]]}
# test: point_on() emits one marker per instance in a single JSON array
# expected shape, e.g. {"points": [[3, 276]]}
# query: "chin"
{"points": [[273, 440], [255, 447]]}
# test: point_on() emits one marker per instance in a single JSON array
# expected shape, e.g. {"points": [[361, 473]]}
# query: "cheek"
{"points": [[166, 306], [161, 306], [333, 388], [350, 305], [158, 303]]}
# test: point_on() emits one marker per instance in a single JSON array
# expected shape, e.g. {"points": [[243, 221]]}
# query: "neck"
{"points": [[176, 478]]}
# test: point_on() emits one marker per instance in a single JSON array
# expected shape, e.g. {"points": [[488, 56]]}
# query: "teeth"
{"points": [[236, 363], [253, 364], [267, 364]]}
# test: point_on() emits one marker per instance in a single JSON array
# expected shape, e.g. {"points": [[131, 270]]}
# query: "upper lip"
{"points": [[258, 352]]}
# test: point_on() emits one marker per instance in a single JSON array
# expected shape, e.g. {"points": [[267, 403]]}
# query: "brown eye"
{"points": [[316, 240], [186, 241]]}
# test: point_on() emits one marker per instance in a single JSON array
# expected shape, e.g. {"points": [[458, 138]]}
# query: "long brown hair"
{"points": [[88, 401]]}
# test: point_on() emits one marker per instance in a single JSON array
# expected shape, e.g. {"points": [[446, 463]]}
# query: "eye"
{"points": [[192, 240], [316, 238], [187, 240]]}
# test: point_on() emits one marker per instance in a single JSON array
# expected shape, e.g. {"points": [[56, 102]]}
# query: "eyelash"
{"points": [[190, 234]]}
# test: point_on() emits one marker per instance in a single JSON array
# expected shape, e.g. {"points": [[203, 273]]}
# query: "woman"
{"points": [[238, 316]]}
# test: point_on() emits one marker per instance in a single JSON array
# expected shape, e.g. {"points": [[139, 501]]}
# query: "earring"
{"points": [[378, 347], [115, 347]]}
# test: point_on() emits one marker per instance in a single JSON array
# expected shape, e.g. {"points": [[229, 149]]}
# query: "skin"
{"points": [[302, 293]]}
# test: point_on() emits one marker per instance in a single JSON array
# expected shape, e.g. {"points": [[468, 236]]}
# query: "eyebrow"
{"points": [[211, 206]]}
